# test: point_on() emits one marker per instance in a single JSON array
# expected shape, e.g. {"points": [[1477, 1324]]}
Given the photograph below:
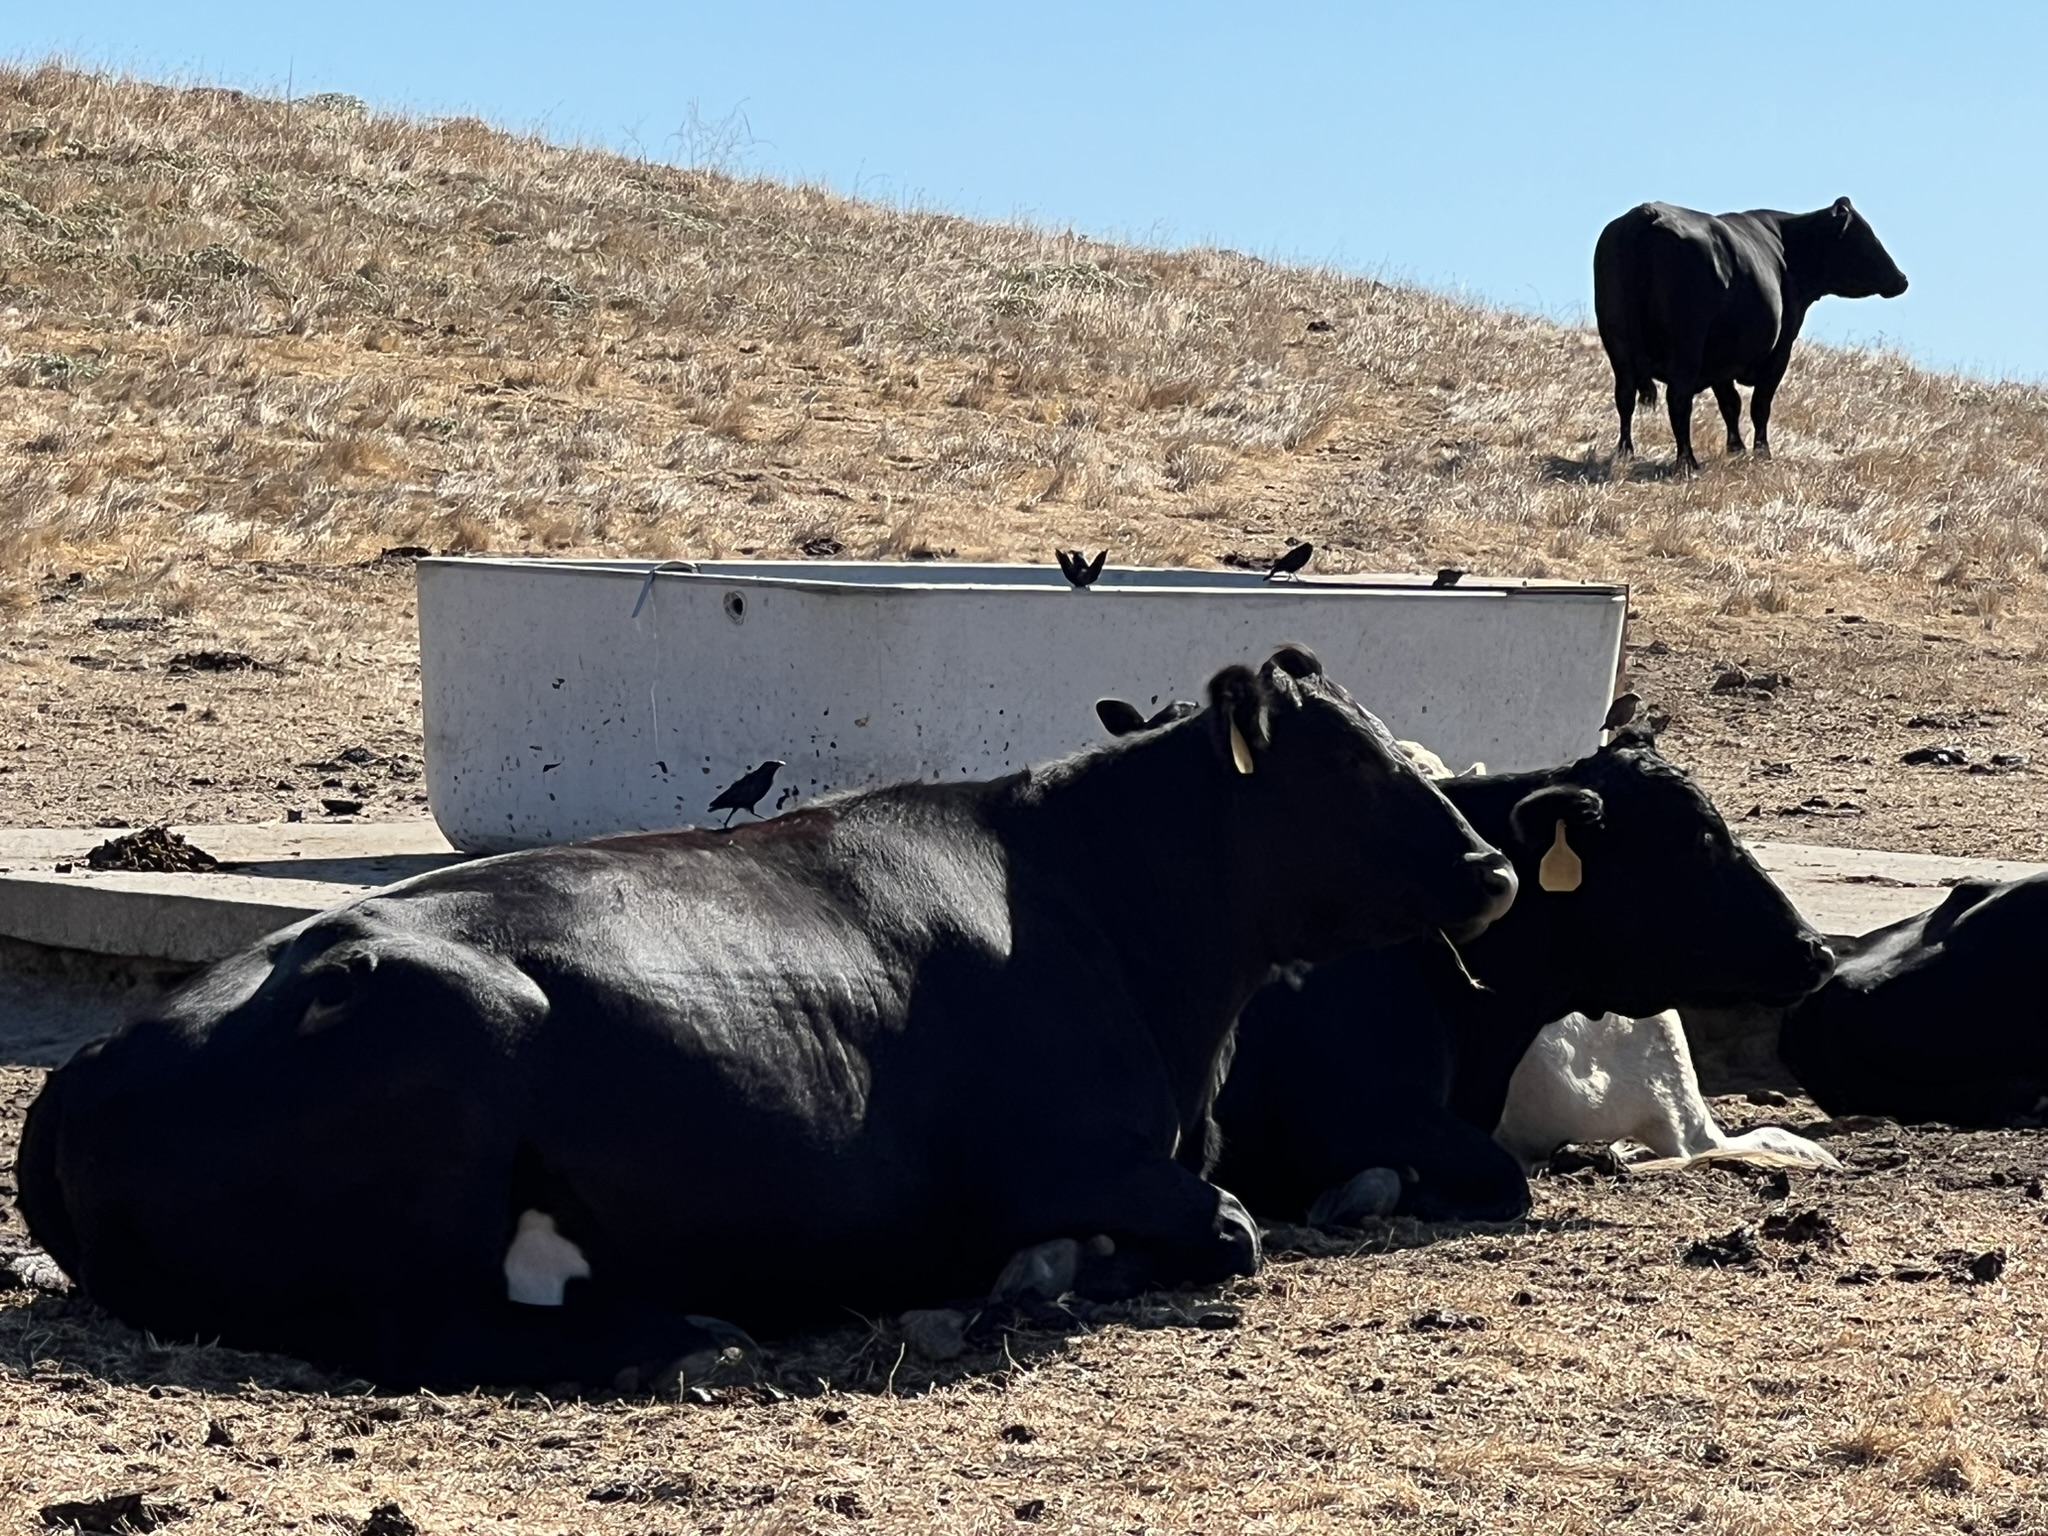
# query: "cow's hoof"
{"points": [[1367, 1196], [937, 1334], [724, 1345], [1240, 1234], [695, 1366], [1044, 1271]]}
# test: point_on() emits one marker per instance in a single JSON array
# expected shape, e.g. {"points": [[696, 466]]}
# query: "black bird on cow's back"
{"points": [[1291, 563], [745, 792], [1078, 568]]}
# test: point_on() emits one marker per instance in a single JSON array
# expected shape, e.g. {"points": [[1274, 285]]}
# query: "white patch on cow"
{"points": [[1599, 1081], [1240, 750], [541, 1262], [1432, 766]]}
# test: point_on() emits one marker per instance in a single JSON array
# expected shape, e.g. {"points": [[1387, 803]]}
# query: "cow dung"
{"points": [[154, 851]]}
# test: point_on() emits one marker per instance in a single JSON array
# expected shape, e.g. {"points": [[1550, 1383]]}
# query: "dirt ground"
{"points": [[1728, 1351], [104, 726]]}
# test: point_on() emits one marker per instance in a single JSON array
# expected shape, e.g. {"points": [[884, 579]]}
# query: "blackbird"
{"points": [[745, 792], [1291, 562], [1078, 568]]}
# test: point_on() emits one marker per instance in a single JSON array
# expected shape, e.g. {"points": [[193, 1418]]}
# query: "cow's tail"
{"points": [[1614, 268]]}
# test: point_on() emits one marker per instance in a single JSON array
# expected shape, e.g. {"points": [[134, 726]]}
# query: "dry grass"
{"points": [[234, 329]]}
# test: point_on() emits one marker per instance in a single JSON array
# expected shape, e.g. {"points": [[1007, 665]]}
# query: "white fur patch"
{"points": [[541, 1262], [1432, 766], [1598, 1081]]}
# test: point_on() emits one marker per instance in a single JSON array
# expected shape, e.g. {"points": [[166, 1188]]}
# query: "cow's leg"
{"points": [[1625, 408], [1158, 1225], [1468, 1176], [591, 1341], [1760, 410], [1678, 397], [1731, 412], [1450, 1171]]}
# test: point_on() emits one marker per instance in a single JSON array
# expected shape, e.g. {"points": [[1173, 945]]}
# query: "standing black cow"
{"points": [[1401, 1058], [519, 1119], [1938, 1017], [1706, 301]]}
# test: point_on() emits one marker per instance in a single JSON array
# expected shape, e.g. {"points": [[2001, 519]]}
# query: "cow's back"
{"points": [[1661, 275]]}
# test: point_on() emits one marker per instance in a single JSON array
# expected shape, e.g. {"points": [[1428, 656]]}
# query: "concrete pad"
{"points": [[283, 871], [1846, 892]]}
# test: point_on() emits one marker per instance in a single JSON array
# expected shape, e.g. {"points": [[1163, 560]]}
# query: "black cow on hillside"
{"points": [[527, 1119], [1705, 301], [1401, 1058], [1938, 1017]]}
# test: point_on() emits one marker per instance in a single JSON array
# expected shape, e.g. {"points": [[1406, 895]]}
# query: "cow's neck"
{"points": [[1515, 957], [1139, 840], [1805, 237]]}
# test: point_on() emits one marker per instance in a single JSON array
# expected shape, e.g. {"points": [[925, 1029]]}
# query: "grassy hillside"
{"points": [[247, 328], [246, 344]]}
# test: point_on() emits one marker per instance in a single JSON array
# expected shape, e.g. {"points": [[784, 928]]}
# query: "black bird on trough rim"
{"points": [[1449, 576], [1078, 568], [745, 792], [1291, 563]]}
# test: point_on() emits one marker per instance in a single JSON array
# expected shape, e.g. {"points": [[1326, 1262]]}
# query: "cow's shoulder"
{"points": [[1688, 224]]}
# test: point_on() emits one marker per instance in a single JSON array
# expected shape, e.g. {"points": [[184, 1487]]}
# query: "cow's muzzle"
{"points": [[1496, 879]]}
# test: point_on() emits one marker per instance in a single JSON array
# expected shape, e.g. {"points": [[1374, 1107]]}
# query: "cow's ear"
{"points": [[1297, 661], [1237, 717], [1843, 212], [1548, 820], [1117, 717], [1962, 898], [1638, 734], [1536, 816]]}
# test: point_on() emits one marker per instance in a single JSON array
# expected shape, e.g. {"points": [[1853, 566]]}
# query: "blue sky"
{"points": [[1470, 146]]}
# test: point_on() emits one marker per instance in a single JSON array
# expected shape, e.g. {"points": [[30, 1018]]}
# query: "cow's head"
{"points": [[1854, 263], [1934, 1017], [1637, 896], [1339, 841]]}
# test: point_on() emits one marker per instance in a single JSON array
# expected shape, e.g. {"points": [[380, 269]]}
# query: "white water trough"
{"points": [[567, 699]]}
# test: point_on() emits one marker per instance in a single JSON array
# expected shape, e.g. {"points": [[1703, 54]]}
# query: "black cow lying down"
{"points": [[1395, 1059], [527, 1119], [1938, 1017]]}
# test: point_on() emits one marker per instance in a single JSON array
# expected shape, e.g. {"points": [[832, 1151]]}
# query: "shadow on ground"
{"points": [[62, 1336], [1599, 469]]}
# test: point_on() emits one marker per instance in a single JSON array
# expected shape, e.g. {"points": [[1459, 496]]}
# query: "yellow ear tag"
{"points": [[1560, 869], [1240, 753]]}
